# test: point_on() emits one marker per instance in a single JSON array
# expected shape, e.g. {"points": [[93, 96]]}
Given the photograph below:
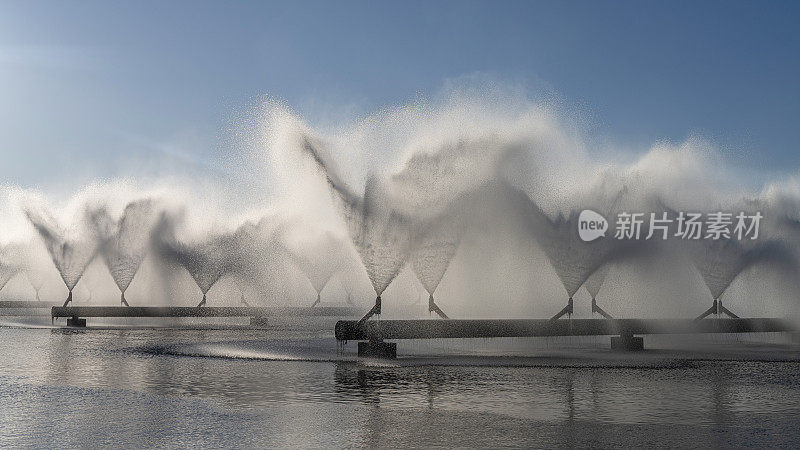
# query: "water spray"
{"points": [[36, 280], [124, 242], [573, 259], [7, 272], [71, 250], [348, 295], [720, 262], [242, 300], [380, 234], [209, 259], [438, 242], [593, 285]]}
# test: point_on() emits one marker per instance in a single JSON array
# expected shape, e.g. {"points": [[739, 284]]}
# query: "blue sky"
{"points": [[87, 86]]}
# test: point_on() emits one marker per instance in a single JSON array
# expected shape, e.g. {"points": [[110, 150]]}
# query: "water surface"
{"points": [[234, 387]]}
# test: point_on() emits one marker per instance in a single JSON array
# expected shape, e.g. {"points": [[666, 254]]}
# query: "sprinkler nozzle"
{"points": [[69, 298]]}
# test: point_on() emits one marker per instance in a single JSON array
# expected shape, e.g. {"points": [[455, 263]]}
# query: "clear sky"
{"points": [[86, 86]]}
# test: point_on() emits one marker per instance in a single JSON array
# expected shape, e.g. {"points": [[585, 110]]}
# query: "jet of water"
{"points": [[36, 279], [8, 267], [433, 250], [319, 255], [381, 236], [721, 261], [124, 242], [595, 281], [71, 249], [210, 257]]}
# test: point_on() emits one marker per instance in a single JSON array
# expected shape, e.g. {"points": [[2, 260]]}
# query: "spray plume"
{"points": [[71, 249], [124, 242]]}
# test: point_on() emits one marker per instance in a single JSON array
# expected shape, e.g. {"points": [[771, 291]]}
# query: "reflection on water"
{"points": [[107, 387]]}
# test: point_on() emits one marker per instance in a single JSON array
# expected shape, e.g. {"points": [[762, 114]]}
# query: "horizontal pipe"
{"points": [[205, 311], [23, 312], [24, 304], [349, 330]]}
